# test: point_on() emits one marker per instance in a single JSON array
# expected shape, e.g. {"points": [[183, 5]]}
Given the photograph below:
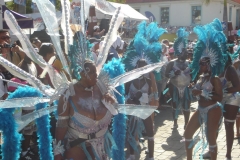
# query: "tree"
{"points": [[118, 1], [12, 6], [225, 15]]}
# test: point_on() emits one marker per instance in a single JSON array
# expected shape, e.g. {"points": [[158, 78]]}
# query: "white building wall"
{"points": [[180, 12]]}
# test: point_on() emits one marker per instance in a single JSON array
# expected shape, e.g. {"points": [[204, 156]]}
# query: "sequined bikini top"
{"points": [[206, 85], [85, 124]]}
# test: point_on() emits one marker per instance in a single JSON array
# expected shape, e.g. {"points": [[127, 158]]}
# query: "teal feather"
{"points": [[182, 36]]}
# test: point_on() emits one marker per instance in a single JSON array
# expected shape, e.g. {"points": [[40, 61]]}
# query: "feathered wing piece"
{"points": [[55, 77], [111, 36], [181, 41], [131, 75], [67, 32], [16, 71], [208, 45], [22, 102], [28, 118], [47, 11]]}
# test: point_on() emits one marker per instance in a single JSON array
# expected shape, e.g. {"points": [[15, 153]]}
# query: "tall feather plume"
{"points": [[149, 30], [116, 20], [182, 33], [142, 28], [217, 24], [200, 31], [157, 34], [67, 32], [47, 11], [140, 44]]}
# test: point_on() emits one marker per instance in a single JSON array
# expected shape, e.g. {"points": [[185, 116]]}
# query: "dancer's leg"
{"points": [[229, 119], [148, 123], [191, 128], [214, 117]]}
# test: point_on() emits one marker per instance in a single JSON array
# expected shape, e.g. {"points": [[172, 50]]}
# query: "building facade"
{"points": [[187, 13]]}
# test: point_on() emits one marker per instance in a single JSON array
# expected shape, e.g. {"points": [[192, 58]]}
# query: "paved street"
{"points": [[167, 141]]}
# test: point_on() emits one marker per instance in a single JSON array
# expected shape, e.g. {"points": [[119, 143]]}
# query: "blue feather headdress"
{"points": [[77, 57], [181, 41], [145, 45], [208, 45]]}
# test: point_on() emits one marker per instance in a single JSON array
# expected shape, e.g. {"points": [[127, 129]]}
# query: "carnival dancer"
{"points": [[179, 73], [231, 87], [207, 59], [83, 66], [143, 50], [231, 101], [236, 64]]}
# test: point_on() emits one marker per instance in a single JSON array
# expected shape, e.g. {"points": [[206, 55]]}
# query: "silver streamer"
{"points": [[28, 118], [22, 102]]}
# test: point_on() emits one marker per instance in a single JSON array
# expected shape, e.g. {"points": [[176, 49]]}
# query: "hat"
{"points": [[95, 27]]}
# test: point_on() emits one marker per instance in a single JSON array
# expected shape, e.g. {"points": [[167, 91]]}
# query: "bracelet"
{"points": [[58, 148]]}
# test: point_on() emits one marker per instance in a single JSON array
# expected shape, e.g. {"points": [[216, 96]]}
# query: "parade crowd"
{"points": [[97, 116]]}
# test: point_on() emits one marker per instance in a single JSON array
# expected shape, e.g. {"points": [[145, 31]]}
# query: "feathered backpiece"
{"points": [[145, 45], [208, 45], [181, 41], [77, 56]]}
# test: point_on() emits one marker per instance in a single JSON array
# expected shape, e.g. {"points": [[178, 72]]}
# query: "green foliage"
{"points": [[117, 1], [12, 6]]}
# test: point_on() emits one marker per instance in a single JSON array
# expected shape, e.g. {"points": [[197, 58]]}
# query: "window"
{"points": [[196, 15], [164, 16], [230, 14]]}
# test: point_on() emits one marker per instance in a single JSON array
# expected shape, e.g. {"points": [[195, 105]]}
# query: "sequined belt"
{"points": [[82, 137]]}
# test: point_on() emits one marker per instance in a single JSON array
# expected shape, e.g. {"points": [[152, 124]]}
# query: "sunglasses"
{"points": [[5, 38]]}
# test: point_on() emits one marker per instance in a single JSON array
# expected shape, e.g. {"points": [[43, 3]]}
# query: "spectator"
{"points": [[117, 47], [3, 88], [36, 42], [166, 42], [171, 54], [235, 48], [14, 53], [97, 33]]}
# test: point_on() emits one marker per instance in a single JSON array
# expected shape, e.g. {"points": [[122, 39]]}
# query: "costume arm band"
{"points": [[62, 121]]}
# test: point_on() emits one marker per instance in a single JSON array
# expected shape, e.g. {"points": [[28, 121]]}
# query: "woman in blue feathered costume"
{"points": [[236, 64], [207, 60], [179, 73], [231, 87], [143, 50]]}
